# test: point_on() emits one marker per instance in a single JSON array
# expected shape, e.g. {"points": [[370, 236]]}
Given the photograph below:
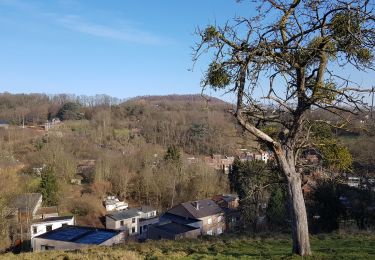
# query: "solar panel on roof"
{"points": [[66, 234], [95, 237], [83, 235]]}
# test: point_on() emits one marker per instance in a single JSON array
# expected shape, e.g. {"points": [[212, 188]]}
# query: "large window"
{"points": [[219, 218], [133, 220], [209, 221], [219, 230], [35, 230], [133, 230], [122, 223], [209, 232]]}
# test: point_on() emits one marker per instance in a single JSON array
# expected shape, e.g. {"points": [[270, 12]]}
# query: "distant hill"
{"points": [[180, 98]]}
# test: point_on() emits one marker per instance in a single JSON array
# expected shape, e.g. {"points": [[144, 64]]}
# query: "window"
{"points": [[122, 223], [152, 214], [46, 247], [140, 230], [49, 228], [64, 224], [219, 218], [133, 230], [219, 230], [35, 230], [209, 221], [209, 232], [133, 220]]}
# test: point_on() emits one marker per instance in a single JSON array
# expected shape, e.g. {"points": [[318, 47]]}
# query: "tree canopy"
{"points": [[297, 47]]}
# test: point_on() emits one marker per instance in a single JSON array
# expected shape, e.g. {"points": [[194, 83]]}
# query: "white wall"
{"points": [[42, 226], [64, 245]]}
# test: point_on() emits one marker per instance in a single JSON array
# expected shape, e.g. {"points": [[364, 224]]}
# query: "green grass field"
{"points": [[334, 246]]}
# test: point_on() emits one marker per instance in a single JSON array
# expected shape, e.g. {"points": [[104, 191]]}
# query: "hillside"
{"points": [[126, 142], [193, 98], [334, 246]]}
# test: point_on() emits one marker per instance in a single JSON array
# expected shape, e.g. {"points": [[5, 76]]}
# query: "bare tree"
{"points": [[297, 47]]}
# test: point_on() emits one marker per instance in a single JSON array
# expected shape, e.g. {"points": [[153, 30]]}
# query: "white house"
{"points": [[112, 203], [132, 221], [265, 157], [41, 226], [76, 237]]}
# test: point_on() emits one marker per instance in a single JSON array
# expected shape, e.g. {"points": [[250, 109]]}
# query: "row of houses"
{"points": [[46, 230], [224, 163]]}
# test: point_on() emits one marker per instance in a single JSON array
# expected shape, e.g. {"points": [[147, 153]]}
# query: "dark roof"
{"points": [[81, 235], [206, 207], [27, 201], [52, 219], [174, 228], [124, 214], [178, 219], [146, 209], [224, 200], [230, 197]]}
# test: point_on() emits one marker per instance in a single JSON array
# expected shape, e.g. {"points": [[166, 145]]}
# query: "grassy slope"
{"points": [[325, 247]]}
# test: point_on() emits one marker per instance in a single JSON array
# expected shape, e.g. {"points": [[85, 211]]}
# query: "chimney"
{"points": [[196, 205]]}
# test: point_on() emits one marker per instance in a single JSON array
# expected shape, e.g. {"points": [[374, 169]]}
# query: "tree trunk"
{"points": [[300, 229], [286, 160], [297, 208]]}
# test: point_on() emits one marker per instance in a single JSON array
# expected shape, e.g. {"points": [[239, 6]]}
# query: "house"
{"points": [[76, 237], [30, 218], [147, 217], [353, 182], [112, 203], [27, 205], [50, 124], [206, 210], [41, 226], [126, 220], [220, 162], [229, 203], [172, 230], [244, 155], [77, 180], [38, 170], [133, 222], [4, 124]]}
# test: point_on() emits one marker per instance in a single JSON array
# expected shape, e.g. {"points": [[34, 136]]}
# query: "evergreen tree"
{"points": [[277, 210], [49, 187]]}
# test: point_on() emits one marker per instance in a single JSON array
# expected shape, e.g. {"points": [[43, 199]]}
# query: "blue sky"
{"points": [[123, 48], [119, 48]]}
